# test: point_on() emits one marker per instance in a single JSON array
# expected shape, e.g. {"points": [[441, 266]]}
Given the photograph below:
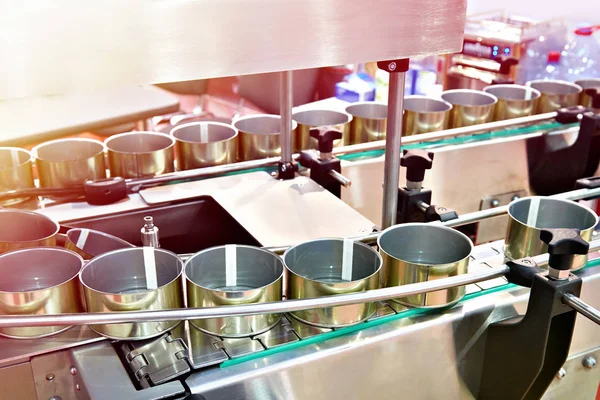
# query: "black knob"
{"points": [[416, 162], [105, 191], [563, 244], [325, 135], [569, 115], [506, 63], [594, 93]]}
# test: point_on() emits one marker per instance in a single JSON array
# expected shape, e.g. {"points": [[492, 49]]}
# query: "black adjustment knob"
{"points": [[594, 93], [105, 191], [569, 115], [563, 244], [416, 162], [325, 135], [506, 63]]}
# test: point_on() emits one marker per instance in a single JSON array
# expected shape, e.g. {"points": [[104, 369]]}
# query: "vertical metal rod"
{"points": [[393, 141], [286, 102]]}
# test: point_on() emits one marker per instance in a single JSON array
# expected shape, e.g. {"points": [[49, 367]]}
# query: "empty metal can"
{"points": [[514, 101], [231, 275], [140, 154], [420, 252], [314, 118], [22, 229], [424, 114], [529, 215], [326, 267], [204, 144], [15, 171], [555, 94], [369, 121], [69, 162], [469, 107], [136, 279], [89, 243], [585, 99], [259, 136], [39, 281]]}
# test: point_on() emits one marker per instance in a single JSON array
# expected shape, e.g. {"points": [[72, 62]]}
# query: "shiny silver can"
{"points": [[528, 216], [514, 101], [259, 136], [135, 279], [425, 114], [39, 281], [421, 252], [469, 107], [231, 275], [369, 121], [315, 118], [326, 267], [89, 243], [204, 144], [555, 94], [140, 154]]}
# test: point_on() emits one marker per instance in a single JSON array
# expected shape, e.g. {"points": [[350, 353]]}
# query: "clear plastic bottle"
{"points": [[582, 55], [534, 59], [554, 68]]}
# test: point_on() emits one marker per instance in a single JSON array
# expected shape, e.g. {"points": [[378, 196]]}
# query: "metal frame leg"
{"points": [[286, 166]]}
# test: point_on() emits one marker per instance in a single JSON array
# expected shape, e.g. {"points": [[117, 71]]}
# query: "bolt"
{"points": [[77, 387], [494, 203], [392, 66], [55, 398], [561, 373], [441, 209], [526, 261], [283, 168], [589, 362], [515, 197], [50, 377], [73, 371]]}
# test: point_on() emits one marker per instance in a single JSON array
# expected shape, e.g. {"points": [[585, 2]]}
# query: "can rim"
{"points": [[136, 133], [182, 126], [35, 150], [569, 202]]}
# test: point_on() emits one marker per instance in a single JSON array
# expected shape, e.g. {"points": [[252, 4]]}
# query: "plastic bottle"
{"points": [[554, 68], [534, 59], [582, 55]]}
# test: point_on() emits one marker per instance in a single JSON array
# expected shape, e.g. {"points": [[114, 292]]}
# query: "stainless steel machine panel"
{"points": [[108, 43]]}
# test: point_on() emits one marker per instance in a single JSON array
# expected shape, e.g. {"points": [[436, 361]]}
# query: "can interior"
{"points": [[68, 150], [368, 110], [259, 125], [588, 83], [97, 242], [122, 271], [253, 269], [424, 104], [212, 133], [468, 98], [25, 227], [553, 213], [37, 269], [551, 87], [513, 92], [321, 117], [8, 156], [423, 244], [139, 142], [321, 260]]}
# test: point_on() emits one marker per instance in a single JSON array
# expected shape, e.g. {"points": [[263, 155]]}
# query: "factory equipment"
{"points": [[260, 278]]}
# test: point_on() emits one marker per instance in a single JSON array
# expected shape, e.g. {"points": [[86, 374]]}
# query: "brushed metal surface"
{"points": [[15, 171], [69, 162], [255, 276], [419, 252], [314, 118], [39, 281], [167, 41], [316, 269], [259, 136], [113, 282], [523, 231], [204, 144]]}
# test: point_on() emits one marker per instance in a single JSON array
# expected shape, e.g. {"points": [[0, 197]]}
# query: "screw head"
{"points": [[50, 377], [55, 398], [561, 373], [442, 209], [515, 197], [392, 66], [73, 371], [526, 261], [589, 362], [494, 203], [77, 387]]}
